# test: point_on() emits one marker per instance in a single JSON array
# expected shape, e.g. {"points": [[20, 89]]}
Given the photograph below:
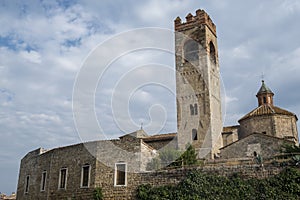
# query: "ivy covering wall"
{"points": [[197, 186]]}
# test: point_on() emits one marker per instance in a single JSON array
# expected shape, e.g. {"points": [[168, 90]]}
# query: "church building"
{"points": [[73, 172]]}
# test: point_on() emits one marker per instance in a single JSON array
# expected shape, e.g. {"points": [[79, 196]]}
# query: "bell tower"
{"points": [[264, 95], [199, 118]]}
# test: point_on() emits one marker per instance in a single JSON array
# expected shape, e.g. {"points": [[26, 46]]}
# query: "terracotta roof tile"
{"points": [[267, 110], [168, 136]]}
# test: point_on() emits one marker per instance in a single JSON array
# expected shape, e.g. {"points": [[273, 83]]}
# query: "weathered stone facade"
{"points": [[97, 155], [264, 145], [277, 125], [230, 134], [199, 119]]}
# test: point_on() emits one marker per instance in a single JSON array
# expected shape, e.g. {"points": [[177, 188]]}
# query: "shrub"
{"points": [[98, 193], [198, 185]]}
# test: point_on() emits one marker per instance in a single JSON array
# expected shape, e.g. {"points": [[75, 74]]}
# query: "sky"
{"points": [[44, 44]]}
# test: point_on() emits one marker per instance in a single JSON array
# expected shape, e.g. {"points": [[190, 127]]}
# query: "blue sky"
{"points": [[44, 43]]}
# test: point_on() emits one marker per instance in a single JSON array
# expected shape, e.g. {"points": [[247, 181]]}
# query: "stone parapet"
{"points": [[200, 18]]}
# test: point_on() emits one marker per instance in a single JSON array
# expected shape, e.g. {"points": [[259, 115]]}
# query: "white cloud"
{"points": [[45, 43], [31, 56]]}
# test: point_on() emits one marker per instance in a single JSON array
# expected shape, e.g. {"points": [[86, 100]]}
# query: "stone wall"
{"points": [[266, 146], [286, 127], [37, 162], [75, 156], [282, 126], [174, 176], [258, 124]]}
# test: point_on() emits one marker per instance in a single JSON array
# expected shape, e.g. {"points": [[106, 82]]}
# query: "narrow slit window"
{"points": [[212, 53], [194, 134], [43, 181], [27, 184]]}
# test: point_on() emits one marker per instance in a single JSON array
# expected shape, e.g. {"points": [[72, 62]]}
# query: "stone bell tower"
{"points": [[199, 118]]}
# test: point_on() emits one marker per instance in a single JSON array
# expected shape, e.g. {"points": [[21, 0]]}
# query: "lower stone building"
{"points": [[254, 144], [75, 171]]}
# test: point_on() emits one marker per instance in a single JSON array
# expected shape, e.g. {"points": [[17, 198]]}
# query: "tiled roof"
{"points": [[168, 136], [267, 109]]}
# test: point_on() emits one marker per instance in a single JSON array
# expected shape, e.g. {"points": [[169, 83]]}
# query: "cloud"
{"points": [[44, 43], [31, 56]]}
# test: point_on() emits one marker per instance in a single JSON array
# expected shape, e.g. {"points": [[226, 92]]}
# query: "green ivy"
{"points": [[198, 185], [98, 193]]}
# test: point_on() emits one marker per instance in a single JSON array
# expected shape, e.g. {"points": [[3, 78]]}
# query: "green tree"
{"points": [[189, 157]]}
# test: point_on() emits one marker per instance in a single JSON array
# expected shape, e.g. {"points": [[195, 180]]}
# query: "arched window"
{"points": [[191, 50], [194, 134], [265, 99], [212, 53]]}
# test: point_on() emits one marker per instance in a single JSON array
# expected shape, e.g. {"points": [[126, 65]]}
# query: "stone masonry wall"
{"points": [[174, 176], [286, 126], [257, 124], [75, 156], [264, 145]]}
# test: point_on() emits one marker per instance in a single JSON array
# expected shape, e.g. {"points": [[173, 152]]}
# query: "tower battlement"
{"points": [[200, 18]]}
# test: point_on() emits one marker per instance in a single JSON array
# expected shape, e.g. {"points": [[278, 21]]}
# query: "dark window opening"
{"points": [[254, 154], [85, 176], [191, 50], [265, 99], [120, 174], [63, 178], [43, 184], [194, 134], [212, 53], [194, 109], [27, 184]]}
